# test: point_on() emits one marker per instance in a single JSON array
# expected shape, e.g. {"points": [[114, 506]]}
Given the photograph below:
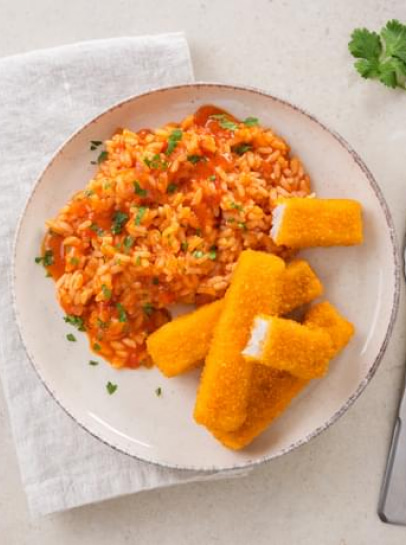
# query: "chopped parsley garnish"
{"points": [[47, 259], [138, 260], [212, 178], [88, 192], [155, 280], [106, 291], [111, 388], [213, 253], [98, 230], [381, 56], [251, 121], [122, 315], [128, 242], [119, 220], [171, 189], [184, 246], [148, 309], [96, 347], [198, 232], [101, 324], [174, 138], [102, 157], [242, 225], [155, 162], [38, 260], [71, 337], [194, 159], [236, 206], [93, 362], [74, 261], [139, 190], [198, 254], [94, 144], [158, 392], [140, 215], [76, 321], [225, 122], [240, 149]]}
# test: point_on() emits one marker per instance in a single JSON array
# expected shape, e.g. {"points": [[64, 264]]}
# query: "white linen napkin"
{"points": [[45, 96]]}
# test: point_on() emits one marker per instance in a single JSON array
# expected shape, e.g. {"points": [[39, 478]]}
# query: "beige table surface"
{"points": [[326, 492]]}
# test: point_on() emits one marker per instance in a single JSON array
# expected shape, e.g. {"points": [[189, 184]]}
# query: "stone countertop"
{"points": [[325, 492]]}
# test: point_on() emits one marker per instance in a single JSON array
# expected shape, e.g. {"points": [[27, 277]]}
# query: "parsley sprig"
{"points": [[76, 321], [119, 220], [174, 138], [381, 56]]}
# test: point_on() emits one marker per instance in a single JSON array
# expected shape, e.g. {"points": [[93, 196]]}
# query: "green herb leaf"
{"points": [[93, 362], [381, 57], [174, 138], [139, 190], [194, 159], [71, 337], [213, 253], [98, 230], [128, 243], [148, 309], [236, 206], [74, 261], [38, 260], [171, 189], [240, 149], [184, 246], [251, 121], [101, 324], [88, 192], [242, 225], [48, 258], [224, 121], [106, 291], [158, 392], [122, 315], [119, 220], [111, 388], [140, 214], [96, 347], [138, 261], [212, 178], [155, 162], [75, 321], [198, 254], [102, 157]]}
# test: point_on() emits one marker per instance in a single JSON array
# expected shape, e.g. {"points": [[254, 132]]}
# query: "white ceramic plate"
{"points": [[362, 281]]}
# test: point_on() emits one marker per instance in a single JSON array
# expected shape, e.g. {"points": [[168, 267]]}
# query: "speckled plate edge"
{"points": [[395, 254]]}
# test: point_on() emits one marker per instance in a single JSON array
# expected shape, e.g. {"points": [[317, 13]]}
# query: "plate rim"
{"points": [[249, 464]]}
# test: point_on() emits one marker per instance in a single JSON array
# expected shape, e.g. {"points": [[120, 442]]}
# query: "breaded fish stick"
{"points": [[300, 286], [286, 345], [304, 223], [225, 384], [325, 315], [272, 391], [182, 344]]}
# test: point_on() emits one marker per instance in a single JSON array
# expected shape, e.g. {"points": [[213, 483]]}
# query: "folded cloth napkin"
{"points": [[44, 96]]}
